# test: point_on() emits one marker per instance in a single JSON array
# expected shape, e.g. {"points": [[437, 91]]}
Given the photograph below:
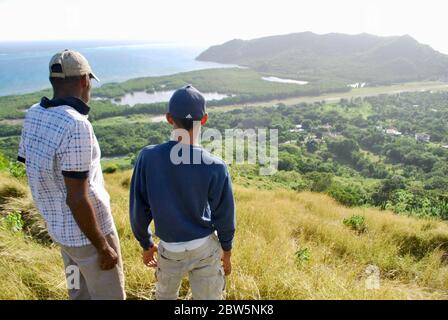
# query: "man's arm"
{"points": [[84, 214], [21, 156]]}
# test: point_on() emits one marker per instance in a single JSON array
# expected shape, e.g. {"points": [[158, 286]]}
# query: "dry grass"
{"points": [[272, 227]]}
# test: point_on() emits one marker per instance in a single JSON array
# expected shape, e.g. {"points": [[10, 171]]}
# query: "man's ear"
{"points": [[204, 119], [85, 81], [169, 118]]}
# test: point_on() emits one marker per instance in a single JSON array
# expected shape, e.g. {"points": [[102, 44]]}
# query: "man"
{"points": [[62, 158], [188, 202]]}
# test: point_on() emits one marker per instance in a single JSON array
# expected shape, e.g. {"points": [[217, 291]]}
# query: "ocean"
{"points": [[24, 65]]}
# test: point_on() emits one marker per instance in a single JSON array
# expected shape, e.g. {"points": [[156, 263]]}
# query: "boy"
{"points": [[188, 200]]}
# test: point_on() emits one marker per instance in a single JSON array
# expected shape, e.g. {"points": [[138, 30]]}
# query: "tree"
{"points": [[386, 188], [343, 148], [319, 181], [307, 124], [312, 146], [286, 162]]}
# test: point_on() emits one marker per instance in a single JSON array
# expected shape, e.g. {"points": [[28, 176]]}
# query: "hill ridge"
{"points": [[354, 58]]}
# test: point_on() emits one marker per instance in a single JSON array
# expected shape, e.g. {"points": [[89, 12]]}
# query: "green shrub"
{"points": [[17, 169], [319, 181], [302, 255], [3, 162], [357, 223], [287, 162], [290, 179], [349, 196], [110, 169], [14, 221]]}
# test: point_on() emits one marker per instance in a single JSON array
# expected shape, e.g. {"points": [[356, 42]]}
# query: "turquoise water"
{"points": [[24, 65]]}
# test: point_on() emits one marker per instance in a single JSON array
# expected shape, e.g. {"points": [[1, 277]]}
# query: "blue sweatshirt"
{"points": [[186, 201]]}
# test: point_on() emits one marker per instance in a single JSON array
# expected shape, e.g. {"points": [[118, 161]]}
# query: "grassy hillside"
{"points": [[288, 245], [357, 58]]}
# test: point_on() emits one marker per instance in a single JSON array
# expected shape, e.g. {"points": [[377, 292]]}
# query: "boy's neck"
{"points": [[193, 137], [192, 141]]}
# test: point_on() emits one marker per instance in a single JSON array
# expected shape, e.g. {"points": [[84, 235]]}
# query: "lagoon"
{"points": [[137, 97], [280, 80]]}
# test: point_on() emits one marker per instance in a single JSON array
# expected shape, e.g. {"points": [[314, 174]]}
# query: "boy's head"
{"points": [[186, 109]]}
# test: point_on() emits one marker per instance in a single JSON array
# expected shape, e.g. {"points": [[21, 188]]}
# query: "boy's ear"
{"points": [[204, 119], [169, 118]]}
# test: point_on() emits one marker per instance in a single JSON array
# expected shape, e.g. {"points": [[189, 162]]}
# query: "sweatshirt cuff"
{"points": [[226, 245], [147, 244]]}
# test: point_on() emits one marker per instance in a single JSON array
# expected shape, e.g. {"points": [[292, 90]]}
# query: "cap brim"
{"points": [[93, 76]]}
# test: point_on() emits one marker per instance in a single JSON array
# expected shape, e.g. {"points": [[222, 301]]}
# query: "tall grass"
{"points": [[288, 245]]}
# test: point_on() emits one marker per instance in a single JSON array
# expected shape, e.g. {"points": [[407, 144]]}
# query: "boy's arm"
{"points": [[139, 209], [222, 207]]}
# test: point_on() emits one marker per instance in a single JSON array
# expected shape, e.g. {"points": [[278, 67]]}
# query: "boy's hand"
{"points": [[226, 263], [149, 258]]}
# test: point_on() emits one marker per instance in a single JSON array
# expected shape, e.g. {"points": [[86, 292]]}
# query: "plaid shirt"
{"points": [[58, 140]]}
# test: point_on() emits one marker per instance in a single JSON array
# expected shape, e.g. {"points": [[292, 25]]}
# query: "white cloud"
{"points": [[211, 21]]}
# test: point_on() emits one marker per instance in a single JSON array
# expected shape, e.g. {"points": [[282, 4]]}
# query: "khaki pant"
{"points": [[203, 266], [85, 279]]}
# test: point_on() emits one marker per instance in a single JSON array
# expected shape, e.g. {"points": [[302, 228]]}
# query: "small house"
{"points": [[393, 132], [422, 137]]}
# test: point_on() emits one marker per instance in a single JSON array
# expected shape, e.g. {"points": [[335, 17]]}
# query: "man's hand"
{"points": [[107, 258], [226, 263], [149, 258]]}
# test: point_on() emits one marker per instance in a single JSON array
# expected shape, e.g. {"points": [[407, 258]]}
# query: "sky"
{"points": [[208, 22]]}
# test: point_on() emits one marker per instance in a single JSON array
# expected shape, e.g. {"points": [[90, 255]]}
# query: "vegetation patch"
{"points": [[302, 255], [419, 245], [357, 223], [14, 221], [267, 262], [18, 210]]}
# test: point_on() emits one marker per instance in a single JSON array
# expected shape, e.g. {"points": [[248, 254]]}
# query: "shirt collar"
{"points": [[73, 102], [173, 142]]}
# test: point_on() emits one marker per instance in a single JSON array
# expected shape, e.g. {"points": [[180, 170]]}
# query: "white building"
{"points": [[422, 137], [393, 132], [297, 128]]}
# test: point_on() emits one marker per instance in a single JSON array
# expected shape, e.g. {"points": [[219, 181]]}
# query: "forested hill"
{"points": [[356, 58]]}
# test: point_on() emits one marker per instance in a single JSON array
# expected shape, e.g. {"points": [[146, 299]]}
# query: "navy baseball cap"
{"points": [[187, 103]]}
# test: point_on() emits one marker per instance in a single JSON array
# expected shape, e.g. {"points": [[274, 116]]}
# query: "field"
{"points": [[288, 245], [352, 94]]}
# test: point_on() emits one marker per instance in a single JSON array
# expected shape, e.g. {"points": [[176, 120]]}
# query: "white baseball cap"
{"points": [[69, 63]]}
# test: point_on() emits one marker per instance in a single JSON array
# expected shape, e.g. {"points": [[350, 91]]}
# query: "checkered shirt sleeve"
{"points": [[76, 157], [21, 156]]}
